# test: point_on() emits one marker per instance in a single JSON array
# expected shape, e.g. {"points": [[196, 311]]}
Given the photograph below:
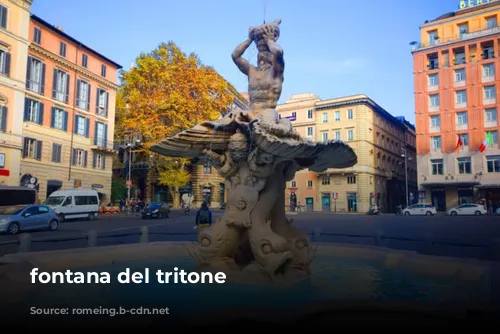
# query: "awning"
{"points": [[486, 186], [449, 184]]}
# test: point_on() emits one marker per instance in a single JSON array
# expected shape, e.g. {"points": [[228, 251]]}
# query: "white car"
{"points": [[420, 209], [467, 209]]}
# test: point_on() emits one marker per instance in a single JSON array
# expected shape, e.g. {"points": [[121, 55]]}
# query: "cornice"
{"points": [[80, 70]]}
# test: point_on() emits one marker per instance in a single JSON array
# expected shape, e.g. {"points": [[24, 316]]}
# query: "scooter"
{"points": [[374, 212]]}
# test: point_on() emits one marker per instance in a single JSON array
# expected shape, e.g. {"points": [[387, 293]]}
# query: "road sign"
{"points": [[335, 195], [128, 183]]}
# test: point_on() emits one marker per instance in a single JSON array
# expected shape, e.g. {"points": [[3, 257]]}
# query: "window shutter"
{"points": [[106, 135], [4, 17], [28, 71], [54, 84], [103, 162], [78, 87], [66, 97], [25, 148], [54, 152], [3, 122], [38, 150], [53, 117], [40, 113], [59, 153], [96, 140], [7, 63], [97, 101], [26, 109], [75, 125], [88, 97], [74, 157], [65, 121], [106, 106], [94, 160], [87, 127], [85, 156], [42, 82]]}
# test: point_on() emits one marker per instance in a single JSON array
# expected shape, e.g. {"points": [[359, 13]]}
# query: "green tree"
{"points": [[118, 189]]}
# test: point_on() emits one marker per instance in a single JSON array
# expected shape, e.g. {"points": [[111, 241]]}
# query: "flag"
{"points": [[487, 142], [459, 144]]}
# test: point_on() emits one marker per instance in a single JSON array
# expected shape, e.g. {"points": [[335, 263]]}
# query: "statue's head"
{"points": [[264, 32]]}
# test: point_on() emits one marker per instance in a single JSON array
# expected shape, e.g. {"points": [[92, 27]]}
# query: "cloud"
{"points": [[327, 66]]}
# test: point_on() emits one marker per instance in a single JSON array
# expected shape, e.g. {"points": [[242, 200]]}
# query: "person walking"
{"points": [[203, 217]]}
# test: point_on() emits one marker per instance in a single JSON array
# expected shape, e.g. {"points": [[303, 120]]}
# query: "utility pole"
{"points": [[406, 173]]}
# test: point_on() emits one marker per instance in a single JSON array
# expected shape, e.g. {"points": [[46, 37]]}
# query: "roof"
{"points": [[63, 34]]}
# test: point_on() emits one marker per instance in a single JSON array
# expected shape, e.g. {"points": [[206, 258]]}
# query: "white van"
{"points": [[74, 203]]}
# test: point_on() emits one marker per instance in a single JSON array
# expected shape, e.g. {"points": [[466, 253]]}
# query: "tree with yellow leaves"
{"points": [[168, 91]]}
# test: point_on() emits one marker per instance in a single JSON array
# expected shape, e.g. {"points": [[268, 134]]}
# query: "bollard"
{"points": [[379, 238], [144, 234], [495, 250], [317, 235], [92, 238], [24, 243]]}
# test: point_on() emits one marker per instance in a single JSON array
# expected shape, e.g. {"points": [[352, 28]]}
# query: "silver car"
{"points": [[31, 217]]}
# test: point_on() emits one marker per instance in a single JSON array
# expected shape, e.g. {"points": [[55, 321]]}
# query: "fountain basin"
{"points": [[345, 275]]}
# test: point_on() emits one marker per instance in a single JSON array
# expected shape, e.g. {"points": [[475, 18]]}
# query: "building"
{"points": [[69, 111], [14, 28], [456, 105], [378, 138]]}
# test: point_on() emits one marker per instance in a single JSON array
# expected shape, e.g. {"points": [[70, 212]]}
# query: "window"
{"points": [[435, 121], [294, 116], [464, 137], [325, 117], [309, 114], [82, 126], [32, 149], [4, 62], [493, 162], [491, 22], [325, 136], [293, 184], [37, 36], [309, 131], [33, 111], [433, 80], [99, 161], [351, 179], [35, 75], [86, 200], [437, 166], [489, 92], [461, 97], [3, 16], [436, 142], [85, 60], [56, 153], [463, 29], [350, 134], [103, 70], [309, 183], [62, 49], [337, 115], [434, 101], [460, 75], [459, 58], [59, 119], [350, 114], [3, 118], [79, 157], [494, 137], [433, 37], [101, 134], [207, 170], [488, 70], [83, 96], [464, 165], [325, 180], [490, 115], [337, 135], [461, 118], [60, 87], [102, 102]]}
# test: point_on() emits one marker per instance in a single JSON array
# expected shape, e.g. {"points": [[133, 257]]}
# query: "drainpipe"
{"points": [[73, 116]]}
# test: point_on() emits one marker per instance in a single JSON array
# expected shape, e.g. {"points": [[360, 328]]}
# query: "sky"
{"points": [[332, 48]]}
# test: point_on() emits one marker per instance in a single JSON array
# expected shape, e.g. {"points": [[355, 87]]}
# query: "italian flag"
{"points": [[487, 142]]}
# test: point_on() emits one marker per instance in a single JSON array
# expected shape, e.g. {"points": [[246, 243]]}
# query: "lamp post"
{"points": [[129, 178], [405, 156]]}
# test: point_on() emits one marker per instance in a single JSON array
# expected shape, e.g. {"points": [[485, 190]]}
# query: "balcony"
{"points": [[101, 144], [434, 129], [464, 37], [489, 78]]}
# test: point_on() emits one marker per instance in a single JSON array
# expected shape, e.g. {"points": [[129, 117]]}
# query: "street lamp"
{"points": [[129, 146], [405, 156]]}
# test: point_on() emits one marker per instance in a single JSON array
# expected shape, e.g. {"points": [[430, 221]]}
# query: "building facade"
{"points": [[14, 29], [456, 106], [68, 114], [379, 140]]}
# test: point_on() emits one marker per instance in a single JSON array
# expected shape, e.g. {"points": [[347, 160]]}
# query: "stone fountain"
{"points": [[256, 152]]}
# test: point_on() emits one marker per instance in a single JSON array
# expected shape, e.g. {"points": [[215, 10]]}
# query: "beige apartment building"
{"points": [[14, 27], [380, 141]]}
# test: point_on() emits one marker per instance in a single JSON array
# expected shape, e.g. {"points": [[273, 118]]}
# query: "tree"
{"points": [[118, 189], [166, 92]]}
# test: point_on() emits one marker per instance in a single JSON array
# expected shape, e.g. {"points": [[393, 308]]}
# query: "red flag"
{"points": [[459, 144]]}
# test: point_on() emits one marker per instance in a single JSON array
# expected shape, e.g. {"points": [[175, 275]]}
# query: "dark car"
{"points": [[156, 210]]}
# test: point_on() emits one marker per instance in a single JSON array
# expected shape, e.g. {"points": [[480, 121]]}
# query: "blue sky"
{"points": [[332, 47]]}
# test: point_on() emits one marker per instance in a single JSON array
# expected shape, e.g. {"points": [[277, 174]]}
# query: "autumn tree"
{"points": [[168, 91]]}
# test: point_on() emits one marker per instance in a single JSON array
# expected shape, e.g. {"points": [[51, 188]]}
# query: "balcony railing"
{"points": [[462, 37], [102, 143]]}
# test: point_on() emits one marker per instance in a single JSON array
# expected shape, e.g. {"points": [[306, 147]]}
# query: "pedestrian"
{"points": [[203, 218]]}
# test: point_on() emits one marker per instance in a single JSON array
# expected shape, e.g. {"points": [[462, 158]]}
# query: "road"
{"points": [[451, 236]]}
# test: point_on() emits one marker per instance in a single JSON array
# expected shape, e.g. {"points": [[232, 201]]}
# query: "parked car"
{"points": [[420, 209], [156, 210], [31, 217], [468, 209]]}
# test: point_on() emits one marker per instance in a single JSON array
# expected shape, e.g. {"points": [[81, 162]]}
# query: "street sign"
{"points": [[128, 183], [335, 195]]}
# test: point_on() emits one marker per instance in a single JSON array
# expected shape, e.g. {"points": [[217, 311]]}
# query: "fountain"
{"points": [[256, 152]]}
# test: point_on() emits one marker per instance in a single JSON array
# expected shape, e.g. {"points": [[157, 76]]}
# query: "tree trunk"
{"points": [[148, 187], [176, 199]]}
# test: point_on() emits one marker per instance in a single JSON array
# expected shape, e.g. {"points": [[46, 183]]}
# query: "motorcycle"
{"points": [[374, 212], [399, 210]]}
